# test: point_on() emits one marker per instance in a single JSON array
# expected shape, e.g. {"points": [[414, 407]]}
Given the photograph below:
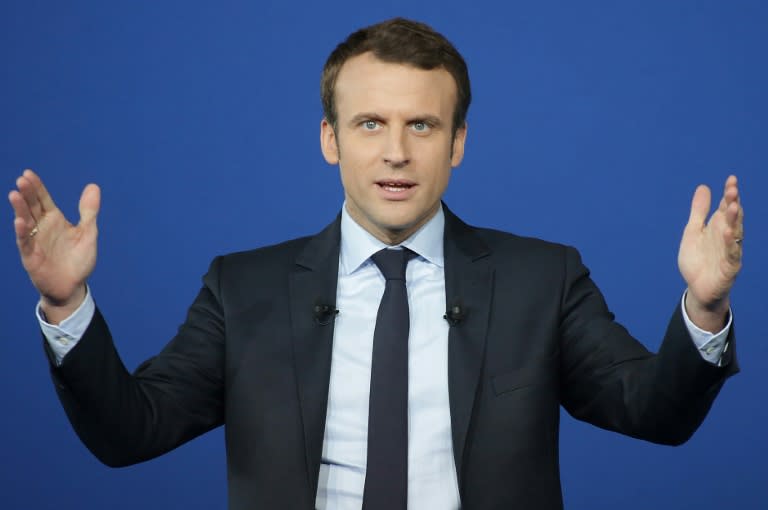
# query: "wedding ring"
{"points": [[34, 231]]}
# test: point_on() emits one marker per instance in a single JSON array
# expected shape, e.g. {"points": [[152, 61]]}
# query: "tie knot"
{"points": [[392, 263]]}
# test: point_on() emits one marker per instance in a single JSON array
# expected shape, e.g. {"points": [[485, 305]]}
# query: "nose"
{"points": [[396, 150]]}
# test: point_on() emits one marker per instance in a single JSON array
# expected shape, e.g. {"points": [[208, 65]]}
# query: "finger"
{"points": [[24, 239], [21, 211], [90, 202], [731, 190], [734, 212], [735, 220], [733, 246], [26, 188], [46, 201], [23, 223], [702, 200], [732, 215]]}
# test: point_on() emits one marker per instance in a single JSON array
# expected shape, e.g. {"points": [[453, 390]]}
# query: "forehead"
{"points": [[366, 83]]}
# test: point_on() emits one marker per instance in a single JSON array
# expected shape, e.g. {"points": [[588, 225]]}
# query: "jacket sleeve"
{"points": [[612, 381], [126, 418]]}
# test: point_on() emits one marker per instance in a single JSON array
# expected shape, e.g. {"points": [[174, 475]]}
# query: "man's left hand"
{"points": [[710, 255]]}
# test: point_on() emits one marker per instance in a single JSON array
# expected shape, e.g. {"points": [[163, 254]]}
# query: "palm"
{"points": [[710, 252], [60, 257], [57, 255]]}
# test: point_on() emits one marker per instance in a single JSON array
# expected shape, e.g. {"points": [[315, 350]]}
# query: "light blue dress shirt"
{"points": [[431, 470]]}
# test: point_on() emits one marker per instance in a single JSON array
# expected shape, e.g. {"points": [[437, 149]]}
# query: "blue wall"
{"points": [[592, 125]]}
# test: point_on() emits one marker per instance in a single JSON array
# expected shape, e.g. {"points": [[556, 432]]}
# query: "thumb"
{"points": [[702, 201], [90, 201]]}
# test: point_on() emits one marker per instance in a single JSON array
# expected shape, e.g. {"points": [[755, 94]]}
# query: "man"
{"points": [[293, 347]]}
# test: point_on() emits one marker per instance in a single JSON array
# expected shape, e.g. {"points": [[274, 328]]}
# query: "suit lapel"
{"points": [[313, 281], [468, 282]]}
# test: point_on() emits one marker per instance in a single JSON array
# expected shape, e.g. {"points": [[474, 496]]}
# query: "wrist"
{"points": [[710, 317], [57, 310]]}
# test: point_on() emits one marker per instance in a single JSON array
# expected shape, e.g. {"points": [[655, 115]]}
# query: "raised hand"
{"points": [[57, 255], [710, 255]]}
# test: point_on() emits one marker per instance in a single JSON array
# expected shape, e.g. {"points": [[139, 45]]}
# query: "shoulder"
{"points": [[284, 252], [506, 246], [276, 260], [527, 262], [262, 263], [503, 248]]}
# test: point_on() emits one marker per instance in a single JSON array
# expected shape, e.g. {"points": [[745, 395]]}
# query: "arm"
{"points": [[612, 381], [122, 418], [125, 418]]}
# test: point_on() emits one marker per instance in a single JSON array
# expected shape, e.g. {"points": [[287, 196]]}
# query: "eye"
{"points": [[420, 126], [370, 125]]}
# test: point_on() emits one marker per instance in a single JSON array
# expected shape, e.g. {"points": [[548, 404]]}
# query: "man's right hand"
{"points": [[57, 255]]}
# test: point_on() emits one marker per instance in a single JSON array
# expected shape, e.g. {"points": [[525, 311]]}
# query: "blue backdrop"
{"points": [[592, 124]]}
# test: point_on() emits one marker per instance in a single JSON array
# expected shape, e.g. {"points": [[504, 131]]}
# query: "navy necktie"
{"points": [[386, 477]]}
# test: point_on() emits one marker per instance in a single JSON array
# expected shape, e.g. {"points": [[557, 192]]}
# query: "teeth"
{"points": [[390, 187]]}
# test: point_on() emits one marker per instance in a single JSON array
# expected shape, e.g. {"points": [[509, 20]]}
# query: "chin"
{"points": [[399, 226], [397, 222]]}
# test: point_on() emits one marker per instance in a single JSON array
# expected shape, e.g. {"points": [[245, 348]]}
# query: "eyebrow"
{"points": [[363, 116]]}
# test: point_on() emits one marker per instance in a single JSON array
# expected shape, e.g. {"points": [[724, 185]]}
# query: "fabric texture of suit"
{"points": [[251, 355]]}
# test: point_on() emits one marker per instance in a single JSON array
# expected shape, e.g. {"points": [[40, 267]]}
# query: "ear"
{"points": [[457, 153], [328, 142]]}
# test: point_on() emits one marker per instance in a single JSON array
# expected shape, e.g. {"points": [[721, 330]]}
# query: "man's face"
{"points": [[393, 143]]}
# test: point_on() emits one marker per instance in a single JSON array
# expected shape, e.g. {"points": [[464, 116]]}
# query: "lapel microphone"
{"points": [[455, 313], [324, 313]]}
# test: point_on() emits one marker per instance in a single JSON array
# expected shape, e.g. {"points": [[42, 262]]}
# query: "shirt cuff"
{"points": [[711, 346], [63, 337]]}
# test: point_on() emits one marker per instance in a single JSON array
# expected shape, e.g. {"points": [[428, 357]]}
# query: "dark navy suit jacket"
{"points": [[252, 356]]}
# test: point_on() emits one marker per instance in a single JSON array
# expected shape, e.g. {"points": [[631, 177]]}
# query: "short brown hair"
{"points": [[400, 41]]}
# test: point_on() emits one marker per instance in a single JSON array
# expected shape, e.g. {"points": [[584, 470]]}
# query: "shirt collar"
{"points": [[357, 244]]}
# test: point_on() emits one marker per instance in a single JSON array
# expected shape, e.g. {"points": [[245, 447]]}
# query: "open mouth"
{"points": [[395, 186]]}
